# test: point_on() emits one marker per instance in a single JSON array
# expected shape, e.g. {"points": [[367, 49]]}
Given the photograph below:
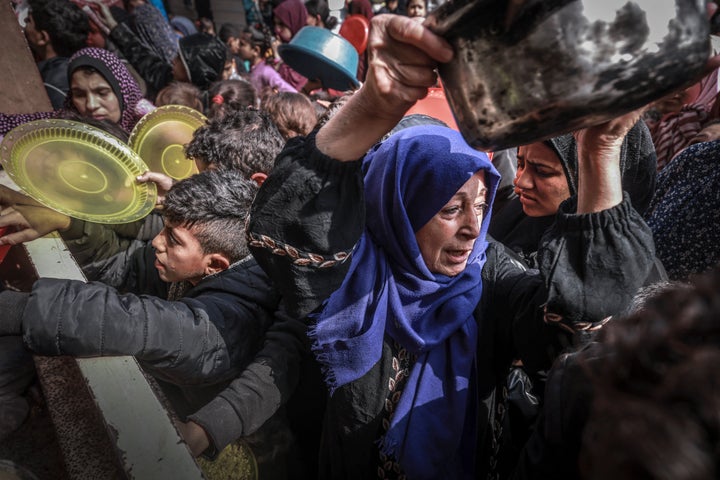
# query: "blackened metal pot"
{"points": [[525, 70]]}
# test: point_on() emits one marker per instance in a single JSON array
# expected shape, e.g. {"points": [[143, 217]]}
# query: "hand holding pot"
{"points": [[599, 173], [403, 56]]}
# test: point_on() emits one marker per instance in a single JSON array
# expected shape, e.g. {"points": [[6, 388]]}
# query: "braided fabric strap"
{"points": [[300, 258]]}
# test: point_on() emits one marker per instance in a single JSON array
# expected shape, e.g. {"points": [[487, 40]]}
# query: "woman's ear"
{"points": [[258, 177], [217, 263]]}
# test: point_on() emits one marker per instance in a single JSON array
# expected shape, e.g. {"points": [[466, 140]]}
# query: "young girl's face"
{"points": [[282, 31], [246, 50]]}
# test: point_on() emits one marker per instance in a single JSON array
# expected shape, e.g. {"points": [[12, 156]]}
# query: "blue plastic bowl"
{"points": [[317, 53]]}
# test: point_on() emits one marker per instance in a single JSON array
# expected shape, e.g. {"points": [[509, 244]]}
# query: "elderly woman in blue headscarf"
{"points": [[414, 317]]}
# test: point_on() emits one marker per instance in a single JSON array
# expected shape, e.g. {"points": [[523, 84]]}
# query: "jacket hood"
{"points": [[204, 58]]}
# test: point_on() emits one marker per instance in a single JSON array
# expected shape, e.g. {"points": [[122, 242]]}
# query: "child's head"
{"points": [[245, 141], [229, 95], [417, 9], [180, 93], [254, 45], [230, 34], [293, 113], [204, 229]]}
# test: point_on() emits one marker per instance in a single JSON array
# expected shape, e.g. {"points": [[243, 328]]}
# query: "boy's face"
{"points": [[179, 256]]}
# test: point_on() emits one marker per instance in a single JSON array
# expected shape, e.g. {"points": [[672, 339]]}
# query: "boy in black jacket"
{"points": [[197, 343]]}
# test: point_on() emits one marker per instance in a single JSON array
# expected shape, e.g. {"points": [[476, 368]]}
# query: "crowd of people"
{"points": [[346, 291]]}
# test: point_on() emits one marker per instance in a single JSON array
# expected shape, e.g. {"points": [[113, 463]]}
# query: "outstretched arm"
{"points": [[599, 174], [403, 56]]}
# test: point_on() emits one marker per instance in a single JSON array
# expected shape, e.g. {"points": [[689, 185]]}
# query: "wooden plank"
{"points": [[21, 88]]}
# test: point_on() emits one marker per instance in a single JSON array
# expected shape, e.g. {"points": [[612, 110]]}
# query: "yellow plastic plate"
{"points": [[78, 170], [159, 138]]}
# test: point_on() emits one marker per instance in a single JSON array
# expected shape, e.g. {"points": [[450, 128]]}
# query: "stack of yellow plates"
{"points": [[159, 138], [78, 170]]}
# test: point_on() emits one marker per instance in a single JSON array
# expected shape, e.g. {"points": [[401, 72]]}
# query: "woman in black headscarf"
{"points": [[547, 174]]}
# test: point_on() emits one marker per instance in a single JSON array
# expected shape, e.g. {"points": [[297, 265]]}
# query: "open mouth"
{"points": [[458, 256]]}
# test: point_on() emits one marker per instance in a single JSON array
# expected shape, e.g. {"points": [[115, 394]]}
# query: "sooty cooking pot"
{"points": [[526, 70]]}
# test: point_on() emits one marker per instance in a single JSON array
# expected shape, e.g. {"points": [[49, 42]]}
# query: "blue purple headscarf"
{"points": [[390, 291]]}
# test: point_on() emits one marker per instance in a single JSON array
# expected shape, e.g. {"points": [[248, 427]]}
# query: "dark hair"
{"points": [[180, 93], [657, 394], [259, 39], [228, 31], [293, 113], [235, 95], [65, 23], [214, 206], [320, 8], [244, 140]]}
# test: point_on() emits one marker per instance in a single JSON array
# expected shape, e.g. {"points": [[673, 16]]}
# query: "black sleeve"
{"points": [[305, 222], [591, 265], [262, 388], [200, 340]]}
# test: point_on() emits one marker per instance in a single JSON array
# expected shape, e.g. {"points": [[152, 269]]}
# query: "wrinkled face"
{"points": [[447, 240], [540, 180], [282, 31], [179, 256], [416, 8], [707, 134], [93, 96]]}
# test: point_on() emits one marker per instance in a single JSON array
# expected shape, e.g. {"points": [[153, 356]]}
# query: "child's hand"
{"points": [[163, 182]]}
